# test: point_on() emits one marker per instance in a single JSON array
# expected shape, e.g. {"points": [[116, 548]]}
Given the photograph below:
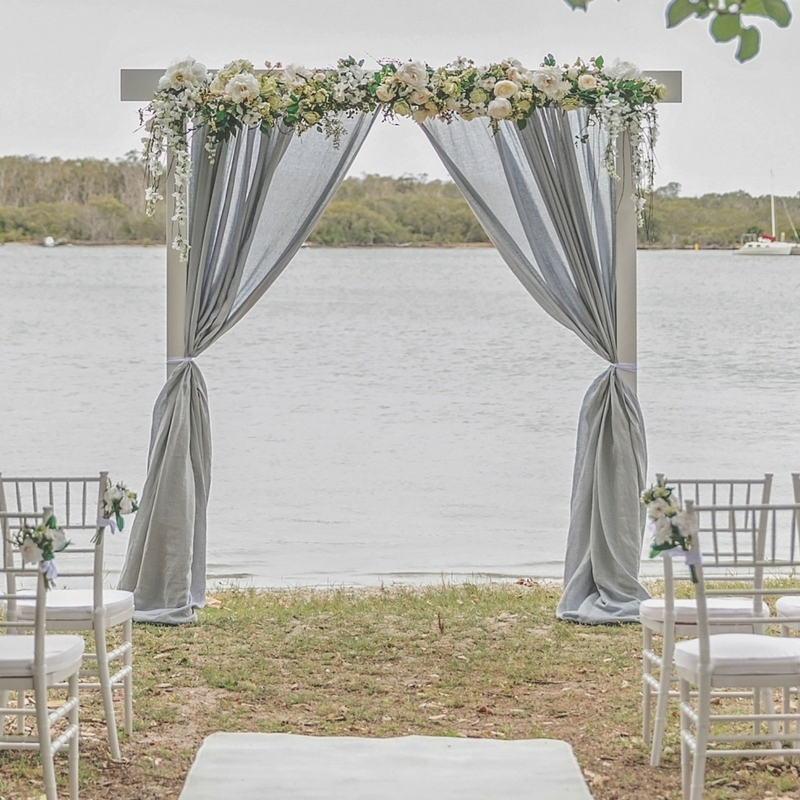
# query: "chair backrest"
{"points": [[77, 504], [722, 491], [741, 493], [744, 541], [32, 578]]}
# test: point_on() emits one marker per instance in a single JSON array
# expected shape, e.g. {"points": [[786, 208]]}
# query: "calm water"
{"points": [[393, 415]]}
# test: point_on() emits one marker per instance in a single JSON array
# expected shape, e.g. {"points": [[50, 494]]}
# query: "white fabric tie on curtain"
{"points": [[626, 367]]}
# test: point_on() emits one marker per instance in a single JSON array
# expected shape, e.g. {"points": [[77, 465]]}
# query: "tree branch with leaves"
{"points": [[728, 19]]}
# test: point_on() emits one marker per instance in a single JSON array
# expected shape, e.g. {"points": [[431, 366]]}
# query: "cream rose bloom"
{"points": [[505, 89], [183, 74], [402, 108], [499, 108], [622, 71], [241, 88], [478, 96], [587, 82], [384, 93], [420, 96], [550, 81], [30, 552], [413, 74], [663, 532], [59, 540]]}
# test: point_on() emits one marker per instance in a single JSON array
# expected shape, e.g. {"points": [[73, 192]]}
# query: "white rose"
{"points": [[217, 86], [241, 88], [319, 76], [572, 73], [384, 92], [59, 539], [622, 71], [125, 505], [31, 554], [519, 75], [414, 74], [499, 108], [181, 74], [657, 508], [550, 80], [663, 532], [505, 89], [420, 96], [587, 82]]}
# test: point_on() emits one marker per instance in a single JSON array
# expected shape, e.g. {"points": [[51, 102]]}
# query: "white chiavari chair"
{"points": [[672, 618], [85, 604], [33, 666]]}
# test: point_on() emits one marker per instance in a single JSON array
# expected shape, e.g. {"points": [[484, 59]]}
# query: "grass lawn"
{"points": [[486, 660]]}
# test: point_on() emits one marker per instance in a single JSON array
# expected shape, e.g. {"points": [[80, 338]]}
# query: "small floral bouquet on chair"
{"points": [[118, 501], [670, 525], [40, 544]]}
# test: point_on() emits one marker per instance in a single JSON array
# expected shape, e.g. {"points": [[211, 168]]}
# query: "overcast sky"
{"points": [[60, 62]]}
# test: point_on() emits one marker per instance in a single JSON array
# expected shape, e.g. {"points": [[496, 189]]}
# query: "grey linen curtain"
{"points": [[548, 205], [249, 213]]}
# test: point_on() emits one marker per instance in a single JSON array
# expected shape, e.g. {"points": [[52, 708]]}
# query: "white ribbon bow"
{"points": [[108, 522]]}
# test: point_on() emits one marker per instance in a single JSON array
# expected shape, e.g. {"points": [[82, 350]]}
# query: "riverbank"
{"points": [[478, 660]]}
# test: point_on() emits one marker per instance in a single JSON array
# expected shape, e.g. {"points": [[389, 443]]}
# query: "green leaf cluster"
{"points": [[727, 19]]}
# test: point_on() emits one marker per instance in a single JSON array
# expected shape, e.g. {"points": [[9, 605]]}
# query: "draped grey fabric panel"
{"points": [[548, 205], [250, 210]]}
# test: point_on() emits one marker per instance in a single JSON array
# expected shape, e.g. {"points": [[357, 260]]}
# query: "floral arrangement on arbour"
{"points": [[617, 96], [671, 526], [39, 545]]}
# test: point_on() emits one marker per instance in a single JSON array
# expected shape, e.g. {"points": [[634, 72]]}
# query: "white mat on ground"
{"points": [[279, 766]]}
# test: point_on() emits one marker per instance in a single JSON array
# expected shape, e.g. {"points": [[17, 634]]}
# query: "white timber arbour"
{"points": [[140, 85], [590, 288]]}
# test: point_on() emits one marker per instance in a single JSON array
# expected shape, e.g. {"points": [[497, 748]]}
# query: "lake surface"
{"points": [[393, 415]]}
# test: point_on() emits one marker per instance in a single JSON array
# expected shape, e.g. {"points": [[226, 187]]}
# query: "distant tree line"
{"points": [[82, 200], [93, 200], [714, 220]]}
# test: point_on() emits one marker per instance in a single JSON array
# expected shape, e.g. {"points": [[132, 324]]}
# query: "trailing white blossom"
{"points": [[617, 97]]}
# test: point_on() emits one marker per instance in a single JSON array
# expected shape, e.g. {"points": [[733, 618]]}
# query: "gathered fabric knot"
{"points": [[626, 367]]}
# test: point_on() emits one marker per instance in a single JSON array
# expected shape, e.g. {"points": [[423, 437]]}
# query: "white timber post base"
{"points": [[626, 262], [176, 279]]}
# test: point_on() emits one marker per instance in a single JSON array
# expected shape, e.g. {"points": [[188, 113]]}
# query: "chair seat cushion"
{"points": [[686, 610], [62, 651], [742, 654], [788, 606], [78, 604]]}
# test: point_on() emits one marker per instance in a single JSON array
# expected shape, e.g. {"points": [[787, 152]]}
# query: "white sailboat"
{"points": [[767, 245]]}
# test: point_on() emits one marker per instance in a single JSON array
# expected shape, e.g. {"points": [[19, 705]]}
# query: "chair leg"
{"points": [[127, 630], [701, 738], [74, 757], [665, 682], [686, 751], [4, 699], [105, 687], [43, 731], [647, 644], [769, 707]]}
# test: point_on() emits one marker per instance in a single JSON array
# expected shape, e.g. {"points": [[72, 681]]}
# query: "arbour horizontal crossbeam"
{"points": [[140, 84]]}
